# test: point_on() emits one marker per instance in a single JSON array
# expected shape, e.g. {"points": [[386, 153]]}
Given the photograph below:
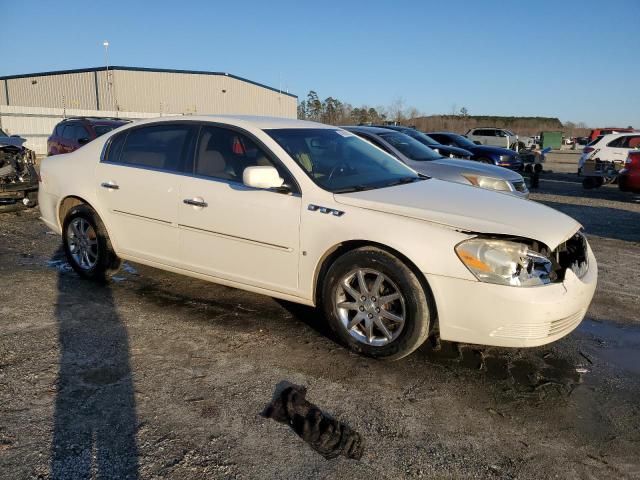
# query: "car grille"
{"points": [[520, 186], [540, 330], [571, 255]]}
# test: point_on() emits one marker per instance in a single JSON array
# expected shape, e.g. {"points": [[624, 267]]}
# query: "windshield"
{"points": [[597, 139], [460, 141], [102, 129], [2, 134], [410, 147], [341, 162], [423, 138]]}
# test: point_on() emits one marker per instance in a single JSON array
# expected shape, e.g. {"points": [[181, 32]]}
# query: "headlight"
{"points": [[505, 262], [489, 183], [504, 158]]}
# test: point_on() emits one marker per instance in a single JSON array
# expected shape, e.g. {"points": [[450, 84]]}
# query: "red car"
{"points": [[629, 177], [71, 133]]}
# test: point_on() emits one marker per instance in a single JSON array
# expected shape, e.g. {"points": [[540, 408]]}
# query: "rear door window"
{"points": [[630, 141], [79, 131], [617, 143], [102, 129], [68, 131], [162, 147]]}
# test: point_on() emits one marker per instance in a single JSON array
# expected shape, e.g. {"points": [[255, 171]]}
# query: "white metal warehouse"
{"points": [[32, 104]]}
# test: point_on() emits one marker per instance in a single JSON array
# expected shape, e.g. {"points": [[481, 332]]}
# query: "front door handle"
{"points": [[110, 185], [196, 202]]}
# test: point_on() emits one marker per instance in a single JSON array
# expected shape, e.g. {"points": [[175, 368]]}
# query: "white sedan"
{"points": [[311, 213]]}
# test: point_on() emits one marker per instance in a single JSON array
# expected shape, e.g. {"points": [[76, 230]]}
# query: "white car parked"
{"points": [[499, 137], [311, 213], [614, 147]]}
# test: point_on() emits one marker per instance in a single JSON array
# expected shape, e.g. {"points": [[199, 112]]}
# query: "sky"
{"points": [[575, 60]]}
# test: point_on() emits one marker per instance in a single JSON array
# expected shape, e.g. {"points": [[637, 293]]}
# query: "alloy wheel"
{"points": [[83, 243], [370, 307]]}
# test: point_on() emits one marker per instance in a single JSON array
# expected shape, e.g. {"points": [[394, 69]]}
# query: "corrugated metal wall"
{"points": [[36, 123], [147, 91], [3, 90], [74, 90]]}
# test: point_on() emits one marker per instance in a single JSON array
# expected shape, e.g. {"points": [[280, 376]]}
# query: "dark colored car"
{"points": [[499, 156], [444, 150], [629, 177], [426, 161], [71, 133]]}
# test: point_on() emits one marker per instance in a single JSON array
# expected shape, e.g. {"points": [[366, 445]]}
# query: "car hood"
{"points": [[11, 141], [494, 150], [467, 208], [469, 166], [455, 150]]}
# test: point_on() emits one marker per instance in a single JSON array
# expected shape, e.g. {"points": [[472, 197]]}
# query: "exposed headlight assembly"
{"points": [[505, 262], [489, 183]]}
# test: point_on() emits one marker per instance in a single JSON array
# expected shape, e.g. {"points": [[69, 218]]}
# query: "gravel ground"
{"points": [[160, 376]]}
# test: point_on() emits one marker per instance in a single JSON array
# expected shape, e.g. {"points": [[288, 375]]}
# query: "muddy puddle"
{"points": [[617, 345]]}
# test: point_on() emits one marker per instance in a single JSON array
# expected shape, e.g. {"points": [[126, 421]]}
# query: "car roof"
{"points": [[246, 121], [364, 129], [612, 136], [97, 120]]}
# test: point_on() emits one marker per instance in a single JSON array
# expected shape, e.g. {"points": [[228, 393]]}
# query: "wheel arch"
{"points": [[70, 201], [341, 248], [66, 204]]}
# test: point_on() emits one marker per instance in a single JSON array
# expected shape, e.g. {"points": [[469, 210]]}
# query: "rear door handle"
{"points": [[110, 185], [196, 202]]}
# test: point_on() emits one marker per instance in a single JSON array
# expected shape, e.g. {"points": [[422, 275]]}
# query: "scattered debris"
{"points": [[327, 436], [129, 269], [585, 356], [61, 265], [582, 370]]}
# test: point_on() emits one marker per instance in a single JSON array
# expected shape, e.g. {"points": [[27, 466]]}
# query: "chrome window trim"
{"points": [[295, 191]]}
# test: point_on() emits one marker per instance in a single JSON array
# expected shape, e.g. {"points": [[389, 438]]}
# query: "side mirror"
{"points": [[264, 177], [83, 141]]}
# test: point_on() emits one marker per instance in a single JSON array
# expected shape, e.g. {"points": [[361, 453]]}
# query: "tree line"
{"points": [[333, 111]]}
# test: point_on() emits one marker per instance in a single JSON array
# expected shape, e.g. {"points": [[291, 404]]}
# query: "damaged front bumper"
{"points": [[18, 176], [487, 314]]}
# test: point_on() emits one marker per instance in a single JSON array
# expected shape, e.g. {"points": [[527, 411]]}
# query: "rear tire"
{"points": [[390, 315], [87, 245]]}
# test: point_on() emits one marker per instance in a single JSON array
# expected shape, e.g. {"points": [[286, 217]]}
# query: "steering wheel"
{"points": [[336, 168]]}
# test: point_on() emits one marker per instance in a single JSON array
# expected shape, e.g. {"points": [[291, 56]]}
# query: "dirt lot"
{"points": [[160, 376]]}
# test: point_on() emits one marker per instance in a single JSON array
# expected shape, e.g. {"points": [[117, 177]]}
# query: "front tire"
{"points": [[87, 245], [375, 304]]}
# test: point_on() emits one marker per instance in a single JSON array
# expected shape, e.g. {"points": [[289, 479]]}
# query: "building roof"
{"points": [[143, 69]]}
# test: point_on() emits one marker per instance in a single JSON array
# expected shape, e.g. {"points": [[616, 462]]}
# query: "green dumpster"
{"points": [[551, 139]]}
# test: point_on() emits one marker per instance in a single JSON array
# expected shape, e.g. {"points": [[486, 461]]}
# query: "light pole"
{"points": [[105, 44]]}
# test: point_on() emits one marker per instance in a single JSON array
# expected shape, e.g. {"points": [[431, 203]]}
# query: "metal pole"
{"points": [[105, 44]]}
